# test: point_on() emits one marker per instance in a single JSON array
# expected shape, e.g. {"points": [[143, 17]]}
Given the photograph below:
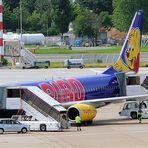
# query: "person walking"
{"points": [[78, 122]]}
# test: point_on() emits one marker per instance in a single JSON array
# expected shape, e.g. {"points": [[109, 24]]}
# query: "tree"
{"points": [[124, 11], [61, 15], [35, 15], [44, 9], [87, 24], [96, 6], [28, 5], [105, 20], [12, 4], [9, 18], [33, 20], [25, 14]]}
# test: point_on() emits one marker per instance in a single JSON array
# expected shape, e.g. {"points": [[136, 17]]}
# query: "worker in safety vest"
{"points": [[78, 122]]}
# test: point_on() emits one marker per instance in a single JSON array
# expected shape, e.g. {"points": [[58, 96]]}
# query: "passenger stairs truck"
{"points": [[32, 101]]}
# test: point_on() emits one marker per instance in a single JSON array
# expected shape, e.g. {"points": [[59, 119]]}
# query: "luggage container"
{"points": [[42, 64], [74, 63]]}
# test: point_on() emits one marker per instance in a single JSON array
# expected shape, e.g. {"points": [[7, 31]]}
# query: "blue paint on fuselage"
{"points": [[101, 86]]}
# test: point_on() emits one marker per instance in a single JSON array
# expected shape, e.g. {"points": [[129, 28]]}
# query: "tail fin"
{"points": [[129, 57]]}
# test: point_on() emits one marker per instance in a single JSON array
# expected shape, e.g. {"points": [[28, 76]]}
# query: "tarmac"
{"points": [[109, 130]]}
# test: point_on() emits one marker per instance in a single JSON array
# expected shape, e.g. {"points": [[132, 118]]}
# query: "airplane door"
{"points": [[126, 109]]}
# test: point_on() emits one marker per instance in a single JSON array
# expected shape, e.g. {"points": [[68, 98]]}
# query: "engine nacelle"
{"points": [[86, 112]]}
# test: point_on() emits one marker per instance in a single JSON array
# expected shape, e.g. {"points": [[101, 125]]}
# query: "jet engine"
{"points": [[86, 112]]}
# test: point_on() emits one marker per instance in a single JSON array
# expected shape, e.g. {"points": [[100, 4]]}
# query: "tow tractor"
{"points": [[130, 109], [36, 65]]}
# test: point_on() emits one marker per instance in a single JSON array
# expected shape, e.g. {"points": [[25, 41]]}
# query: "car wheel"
{"points": [[1, 131], [42, 127], [46, 67], [24, 130], [68, 67], [134, 115], [81, 67]]}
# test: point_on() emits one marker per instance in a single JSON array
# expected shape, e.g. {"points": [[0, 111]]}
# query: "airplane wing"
{"points": [[103, 101]]}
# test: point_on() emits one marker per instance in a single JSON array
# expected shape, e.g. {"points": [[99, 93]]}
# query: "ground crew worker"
{"points": [[140, 115], [78, 122]]}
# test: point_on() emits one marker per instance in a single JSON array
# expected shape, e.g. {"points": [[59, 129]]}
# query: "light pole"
{"points": [[20, 20], [20, 42]]}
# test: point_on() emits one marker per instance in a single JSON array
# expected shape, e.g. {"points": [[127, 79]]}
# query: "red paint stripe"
{"points": [[1, 25], [1, 8], [1, 41]]}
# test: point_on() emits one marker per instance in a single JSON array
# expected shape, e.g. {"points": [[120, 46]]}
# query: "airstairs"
{"points": [[39, 105], [43, 103], [27, 58]]}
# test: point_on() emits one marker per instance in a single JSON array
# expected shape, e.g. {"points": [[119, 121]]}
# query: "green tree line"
{"points": [[52, 17]]}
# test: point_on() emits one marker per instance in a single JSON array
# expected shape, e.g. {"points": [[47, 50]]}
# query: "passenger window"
{"points": [[128, 106], [14, 122], [4, 121], [125, 106], [136, 105], [142, 105], [17, 122], [8, 122]]}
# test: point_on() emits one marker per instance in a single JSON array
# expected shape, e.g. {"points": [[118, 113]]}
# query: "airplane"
{"points": [[83, 95]]}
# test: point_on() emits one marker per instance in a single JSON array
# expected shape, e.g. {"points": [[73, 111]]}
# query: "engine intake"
{"points": [[86, 112]]}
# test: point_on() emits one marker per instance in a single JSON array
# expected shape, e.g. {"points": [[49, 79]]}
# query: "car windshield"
{"points": [[16, 122]]}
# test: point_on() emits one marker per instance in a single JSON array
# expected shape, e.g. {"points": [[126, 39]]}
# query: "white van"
{"points": [[130, 109], [10, 125], [74, 63]]}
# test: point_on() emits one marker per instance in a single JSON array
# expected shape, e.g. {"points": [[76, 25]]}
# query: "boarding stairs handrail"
{"points": [[27, 56], [42, 106]]}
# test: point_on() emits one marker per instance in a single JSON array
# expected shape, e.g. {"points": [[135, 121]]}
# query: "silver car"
{"points": [[10, 125]]}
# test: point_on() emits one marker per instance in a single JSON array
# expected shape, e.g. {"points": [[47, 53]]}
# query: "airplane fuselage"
{"points": [[80, 88]]}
